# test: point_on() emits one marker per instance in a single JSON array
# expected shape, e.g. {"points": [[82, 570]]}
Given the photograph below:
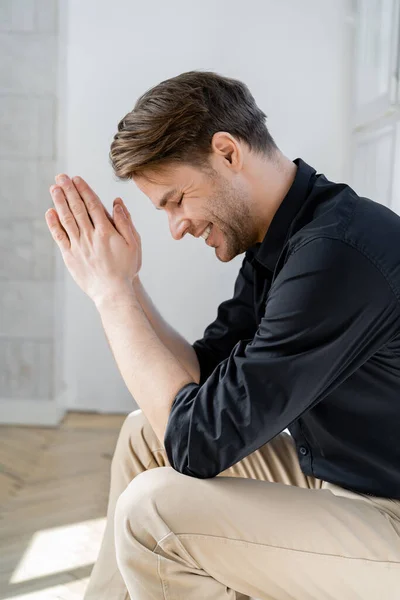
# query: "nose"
{"points": [[178, 227]]}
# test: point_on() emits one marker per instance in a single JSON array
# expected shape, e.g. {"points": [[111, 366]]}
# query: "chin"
{"points": [[222, 256]]}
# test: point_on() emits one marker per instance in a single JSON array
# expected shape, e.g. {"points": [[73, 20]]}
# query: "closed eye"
{"points": [[181, 200]]}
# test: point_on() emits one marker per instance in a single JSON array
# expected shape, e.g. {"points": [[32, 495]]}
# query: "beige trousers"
{"points": [[261, 528]]}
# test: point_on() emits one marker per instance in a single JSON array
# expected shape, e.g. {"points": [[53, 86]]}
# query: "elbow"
{"points": [[186, 446], [181, 460], [197, 471]]}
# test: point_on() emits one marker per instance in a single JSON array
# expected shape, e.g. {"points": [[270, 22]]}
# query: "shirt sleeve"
{"points": [[235, 321], [329, 309]]}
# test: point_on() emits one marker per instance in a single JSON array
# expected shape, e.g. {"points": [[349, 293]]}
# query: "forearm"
{"points": [[178, 346], [151, 372]]}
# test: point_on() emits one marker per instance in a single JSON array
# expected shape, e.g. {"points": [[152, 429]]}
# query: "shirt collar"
{"points": [[267, 252]]}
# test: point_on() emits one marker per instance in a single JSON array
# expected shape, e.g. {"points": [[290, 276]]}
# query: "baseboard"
{"points": [[46, 413]]}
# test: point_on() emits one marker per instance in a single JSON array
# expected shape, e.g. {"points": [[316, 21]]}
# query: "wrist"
{"points": [[116, 296]]}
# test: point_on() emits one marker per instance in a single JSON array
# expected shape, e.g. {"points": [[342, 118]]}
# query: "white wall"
{"points": [[295, 57]]}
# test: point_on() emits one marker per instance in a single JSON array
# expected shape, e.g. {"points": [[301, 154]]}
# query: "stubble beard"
{"points": [[231, 213]]}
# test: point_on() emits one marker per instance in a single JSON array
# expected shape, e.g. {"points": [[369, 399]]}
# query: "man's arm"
{"points": [[150, 353], [150, 370], [176, 343], [235, 321]]}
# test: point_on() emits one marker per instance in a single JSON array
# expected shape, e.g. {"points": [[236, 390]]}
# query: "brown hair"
{"points": [[176, 120]]}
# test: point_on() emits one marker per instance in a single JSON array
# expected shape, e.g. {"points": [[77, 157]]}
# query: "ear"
{"points": [[229, 148]]}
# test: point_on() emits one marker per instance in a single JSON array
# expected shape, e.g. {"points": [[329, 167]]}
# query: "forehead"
{"points": [[170, 181]]}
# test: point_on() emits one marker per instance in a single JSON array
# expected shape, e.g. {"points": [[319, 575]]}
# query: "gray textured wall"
{"points": [[28, 105]]}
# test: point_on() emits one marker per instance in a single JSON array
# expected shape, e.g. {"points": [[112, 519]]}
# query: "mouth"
{"points": [[206, 233]]}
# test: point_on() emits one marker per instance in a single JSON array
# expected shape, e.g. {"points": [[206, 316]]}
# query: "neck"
{"points": [[272, 179]]}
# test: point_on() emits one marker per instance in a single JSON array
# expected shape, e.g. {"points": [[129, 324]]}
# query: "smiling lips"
{"points": [[206, 232]]}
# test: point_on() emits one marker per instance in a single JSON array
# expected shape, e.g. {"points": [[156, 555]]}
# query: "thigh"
{"points": [[276, 461], [270, 541]]}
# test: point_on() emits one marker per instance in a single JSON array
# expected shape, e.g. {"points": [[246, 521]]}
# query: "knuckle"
{"points": [[58, 235], [77, 209], [92, 204], [102, 231], [67, 219]]}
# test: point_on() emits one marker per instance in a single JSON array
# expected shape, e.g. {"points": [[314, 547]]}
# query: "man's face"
{"points": [[200, 198]]}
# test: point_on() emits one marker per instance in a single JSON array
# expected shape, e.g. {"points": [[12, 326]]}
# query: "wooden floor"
{"points": [[53, 499]]}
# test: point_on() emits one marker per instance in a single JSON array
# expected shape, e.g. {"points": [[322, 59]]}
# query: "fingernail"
{"points": [[61, 178], [118, 208]]}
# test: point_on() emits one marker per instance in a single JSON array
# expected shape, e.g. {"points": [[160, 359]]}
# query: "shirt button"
{"points": [[303, 450]]}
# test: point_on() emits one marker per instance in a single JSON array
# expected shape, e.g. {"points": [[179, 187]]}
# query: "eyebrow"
{"points": [[167, 196]]}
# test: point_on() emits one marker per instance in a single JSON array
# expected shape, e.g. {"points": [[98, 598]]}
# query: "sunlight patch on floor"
{"points": [[73, 590], [59, 549]]}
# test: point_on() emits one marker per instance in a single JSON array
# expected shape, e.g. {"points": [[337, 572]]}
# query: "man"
{"points": [[310, 341]]}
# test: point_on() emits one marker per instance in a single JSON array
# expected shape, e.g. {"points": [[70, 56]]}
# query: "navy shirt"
{"points": [[310, 341]]}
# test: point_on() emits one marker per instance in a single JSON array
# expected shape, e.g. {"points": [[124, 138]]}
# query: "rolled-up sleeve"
{"points": [[329, 309]]}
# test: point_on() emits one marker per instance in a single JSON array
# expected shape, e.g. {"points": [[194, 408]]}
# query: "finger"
{"points": [[56, 230], [75, 203], [65, 216], [128, 216], [93, 204], [109, 217], [122, 224], [121, 202]]}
